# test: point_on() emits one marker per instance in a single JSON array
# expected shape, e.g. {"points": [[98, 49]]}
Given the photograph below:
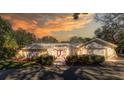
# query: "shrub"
{"points": [[6, 53], [84, 60], [45, 60], [27, 64], [8, 64], [71, 60], [99, 59], [5, 64]]}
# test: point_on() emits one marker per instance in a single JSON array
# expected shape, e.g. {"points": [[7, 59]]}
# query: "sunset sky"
{"points": [[60, 25]]}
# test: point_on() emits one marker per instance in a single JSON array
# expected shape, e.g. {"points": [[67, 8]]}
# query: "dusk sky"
{"points": [[60, 25]]}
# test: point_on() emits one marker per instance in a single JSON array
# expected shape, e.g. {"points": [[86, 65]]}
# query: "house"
{"points": [[61, 50], [98, 47]]}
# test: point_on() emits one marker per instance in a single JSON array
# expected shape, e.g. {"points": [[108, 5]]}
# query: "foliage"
{"points": [[71, 60], [45, 60], [76, 39], [120, 48], [112, 30], [10, 42], [5, 30], [24, 38], [47, 39], [7, 40], [7, 64], [84, 60], [6, 53], [112, 24], [76, 16]]}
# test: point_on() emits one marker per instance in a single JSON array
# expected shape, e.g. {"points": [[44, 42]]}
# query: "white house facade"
{"points": [[98, 47], [61, 50]]}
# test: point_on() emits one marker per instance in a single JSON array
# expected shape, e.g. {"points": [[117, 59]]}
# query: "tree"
{"points": [[23, 37], [111, 19], [5, 28], [112, 29], [76, 15], [48, 39], [112, 24], [76, 39], [7, 40], [10, 42]]}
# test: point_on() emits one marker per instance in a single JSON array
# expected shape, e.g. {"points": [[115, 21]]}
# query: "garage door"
{"points": [[100, 51]]}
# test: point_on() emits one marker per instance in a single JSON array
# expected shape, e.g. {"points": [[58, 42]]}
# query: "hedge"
{"points": [[6, 64], [45, 60], [84, 60]]}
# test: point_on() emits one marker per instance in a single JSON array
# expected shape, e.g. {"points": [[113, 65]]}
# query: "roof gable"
{"points": [[101, 41]]}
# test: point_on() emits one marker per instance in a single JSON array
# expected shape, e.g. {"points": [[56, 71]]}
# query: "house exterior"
{"points": [[61, 50], [98, 47]]}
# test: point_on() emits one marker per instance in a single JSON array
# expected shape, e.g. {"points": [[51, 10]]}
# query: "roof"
{"points": [[46, 45], [102, 41], [79, 45], [49, 45]]}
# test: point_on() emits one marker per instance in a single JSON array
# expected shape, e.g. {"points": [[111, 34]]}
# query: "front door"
{"points": [[60, 55]]}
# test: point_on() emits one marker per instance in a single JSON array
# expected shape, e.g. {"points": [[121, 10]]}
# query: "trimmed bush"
{"points": [[45, 60], [5, 64], [84, 60], [71, 60]]}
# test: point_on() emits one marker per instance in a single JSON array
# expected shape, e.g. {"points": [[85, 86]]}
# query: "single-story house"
{"points": [[61, 50], [98, 47]]}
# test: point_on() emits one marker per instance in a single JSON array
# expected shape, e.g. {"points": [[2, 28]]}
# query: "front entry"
{"points": [[60, 55]]}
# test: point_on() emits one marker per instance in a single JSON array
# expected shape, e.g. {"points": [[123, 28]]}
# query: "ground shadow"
{"points": [[70, 73]]}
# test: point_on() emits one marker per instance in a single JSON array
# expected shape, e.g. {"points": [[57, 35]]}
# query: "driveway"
{"points": [[103, 72]]}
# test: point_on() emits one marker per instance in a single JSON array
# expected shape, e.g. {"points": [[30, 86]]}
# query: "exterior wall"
{"points": [[89, 48], [66, 50], [53, 50], [30, 53], [98, 49], [59, 51], [111, 53]]}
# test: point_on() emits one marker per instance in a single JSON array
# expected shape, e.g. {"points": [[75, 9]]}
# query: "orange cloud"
{"points": [[23, 24], [59, 23], [7, 17]]}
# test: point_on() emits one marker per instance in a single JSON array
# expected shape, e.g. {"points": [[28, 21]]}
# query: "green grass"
{"points": [[8, 64]]}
